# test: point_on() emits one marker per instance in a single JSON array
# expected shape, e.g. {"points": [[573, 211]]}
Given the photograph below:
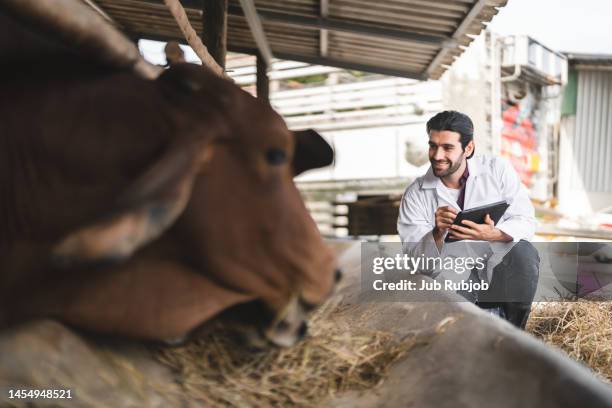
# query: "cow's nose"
{"points": [[303, 330], [338, 275], [286, 333]]}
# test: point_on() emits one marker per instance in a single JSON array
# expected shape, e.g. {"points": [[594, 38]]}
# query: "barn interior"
{"points": [[407, 39], [406, 352]]}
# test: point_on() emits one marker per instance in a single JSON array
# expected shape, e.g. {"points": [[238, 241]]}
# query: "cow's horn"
{"points": [[78, 25]]}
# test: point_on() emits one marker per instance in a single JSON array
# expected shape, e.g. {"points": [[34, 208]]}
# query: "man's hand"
{"points": [[479, 232], [444, 219]]}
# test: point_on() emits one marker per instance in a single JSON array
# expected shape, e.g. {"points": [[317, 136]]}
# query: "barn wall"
{"points": [[585, 185], [593, 142]]}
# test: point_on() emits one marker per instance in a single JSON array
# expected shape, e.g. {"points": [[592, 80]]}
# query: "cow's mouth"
{"points": [[257, 327], [289, 325]]}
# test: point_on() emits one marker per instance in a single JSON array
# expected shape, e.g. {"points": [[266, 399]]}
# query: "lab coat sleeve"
{"points": [[519, 219], [415, 225]]}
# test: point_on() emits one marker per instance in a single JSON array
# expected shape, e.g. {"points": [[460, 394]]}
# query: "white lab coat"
{"points": [[490, 179]]}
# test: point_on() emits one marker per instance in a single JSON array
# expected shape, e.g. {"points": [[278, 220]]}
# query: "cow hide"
{"points": [[143, 208]]}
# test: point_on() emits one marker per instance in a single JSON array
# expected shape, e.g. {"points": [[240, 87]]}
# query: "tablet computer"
{"points": [[478, 214]]}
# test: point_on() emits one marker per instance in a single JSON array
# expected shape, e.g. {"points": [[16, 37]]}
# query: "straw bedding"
{"points": [[334, 358], [583, 329], [217, 370]]}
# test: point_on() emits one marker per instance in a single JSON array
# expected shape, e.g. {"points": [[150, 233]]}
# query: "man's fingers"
{"points": [[465, 232], [449, 215], [469, 223], [488, 220], [445, 216], [463, 229], [446, 208], [456, 235]]}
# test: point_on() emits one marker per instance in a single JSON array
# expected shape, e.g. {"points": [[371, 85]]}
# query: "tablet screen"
{"points": [[478, 214]]}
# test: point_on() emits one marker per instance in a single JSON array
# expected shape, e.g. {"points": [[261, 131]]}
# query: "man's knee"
{"points": [[523, 258], [516, 277]]}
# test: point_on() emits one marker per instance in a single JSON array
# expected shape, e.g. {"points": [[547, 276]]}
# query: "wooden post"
{"points": [[263, 82], [214, 33]]}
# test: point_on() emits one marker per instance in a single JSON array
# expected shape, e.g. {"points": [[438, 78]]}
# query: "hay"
{"points": [[217, 371], [583, 329]]}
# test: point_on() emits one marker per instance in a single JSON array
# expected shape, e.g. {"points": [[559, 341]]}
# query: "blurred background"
{"points": [[535, 77]]}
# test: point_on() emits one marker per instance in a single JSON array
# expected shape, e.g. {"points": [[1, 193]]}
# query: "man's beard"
{"points": [[450, 169]]}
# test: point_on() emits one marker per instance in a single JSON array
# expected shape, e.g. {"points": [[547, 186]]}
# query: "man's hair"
{"points": [[455, 122]]}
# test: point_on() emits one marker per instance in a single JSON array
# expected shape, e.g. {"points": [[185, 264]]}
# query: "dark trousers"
{"points": [[514, 284]]}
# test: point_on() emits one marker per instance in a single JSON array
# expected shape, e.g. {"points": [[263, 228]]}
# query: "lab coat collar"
{"points": [[430, 180]]}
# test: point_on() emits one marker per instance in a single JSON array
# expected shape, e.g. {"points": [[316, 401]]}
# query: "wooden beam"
{"points": [[214, 31], [333, 62], [257, 31], [463, 26], [323, 33], [263, 82]]}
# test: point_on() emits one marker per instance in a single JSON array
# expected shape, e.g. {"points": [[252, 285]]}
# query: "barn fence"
{"points": [[354, 207]]}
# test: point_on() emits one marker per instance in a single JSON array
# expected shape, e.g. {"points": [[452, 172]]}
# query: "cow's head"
{"points": [[246, 224], [223, 189], [220, 188]]}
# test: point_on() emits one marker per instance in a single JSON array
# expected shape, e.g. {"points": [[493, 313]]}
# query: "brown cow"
{"points": [[144, 208]]}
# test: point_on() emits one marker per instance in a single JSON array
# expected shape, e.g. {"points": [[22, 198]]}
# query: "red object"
{"points": [[523, 134]]}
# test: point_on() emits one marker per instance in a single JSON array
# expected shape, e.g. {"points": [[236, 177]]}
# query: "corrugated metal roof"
{"points": [[579, 60], [410, 38]]}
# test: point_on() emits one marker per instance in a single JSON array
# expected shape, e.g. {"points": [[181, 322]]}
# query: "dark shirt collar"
{"points": [[464, 176], [462, 182]]}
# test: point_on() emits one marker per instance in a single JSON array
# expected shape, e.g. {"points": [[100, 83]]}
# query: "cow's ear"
{"points": [[179, 78], [148, 207], [311, 151], [182, 81]]}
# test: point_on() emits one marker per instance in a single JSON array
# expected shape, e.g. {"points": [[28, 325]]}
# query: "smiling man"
{"points": [[457, 180]]}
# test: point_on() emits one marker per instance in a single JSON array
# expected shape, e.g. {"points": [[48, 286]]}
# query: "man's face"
{"points": [[445, 152]]}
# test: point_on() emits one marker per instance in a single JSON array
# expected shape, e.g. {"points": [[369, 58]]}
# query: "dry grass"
{"points": [[217, 371], [583, 329]]}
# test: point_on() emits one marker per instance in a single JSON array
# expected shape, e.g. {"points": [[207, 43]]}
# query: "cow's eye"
{"points": [[276, 156]]}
